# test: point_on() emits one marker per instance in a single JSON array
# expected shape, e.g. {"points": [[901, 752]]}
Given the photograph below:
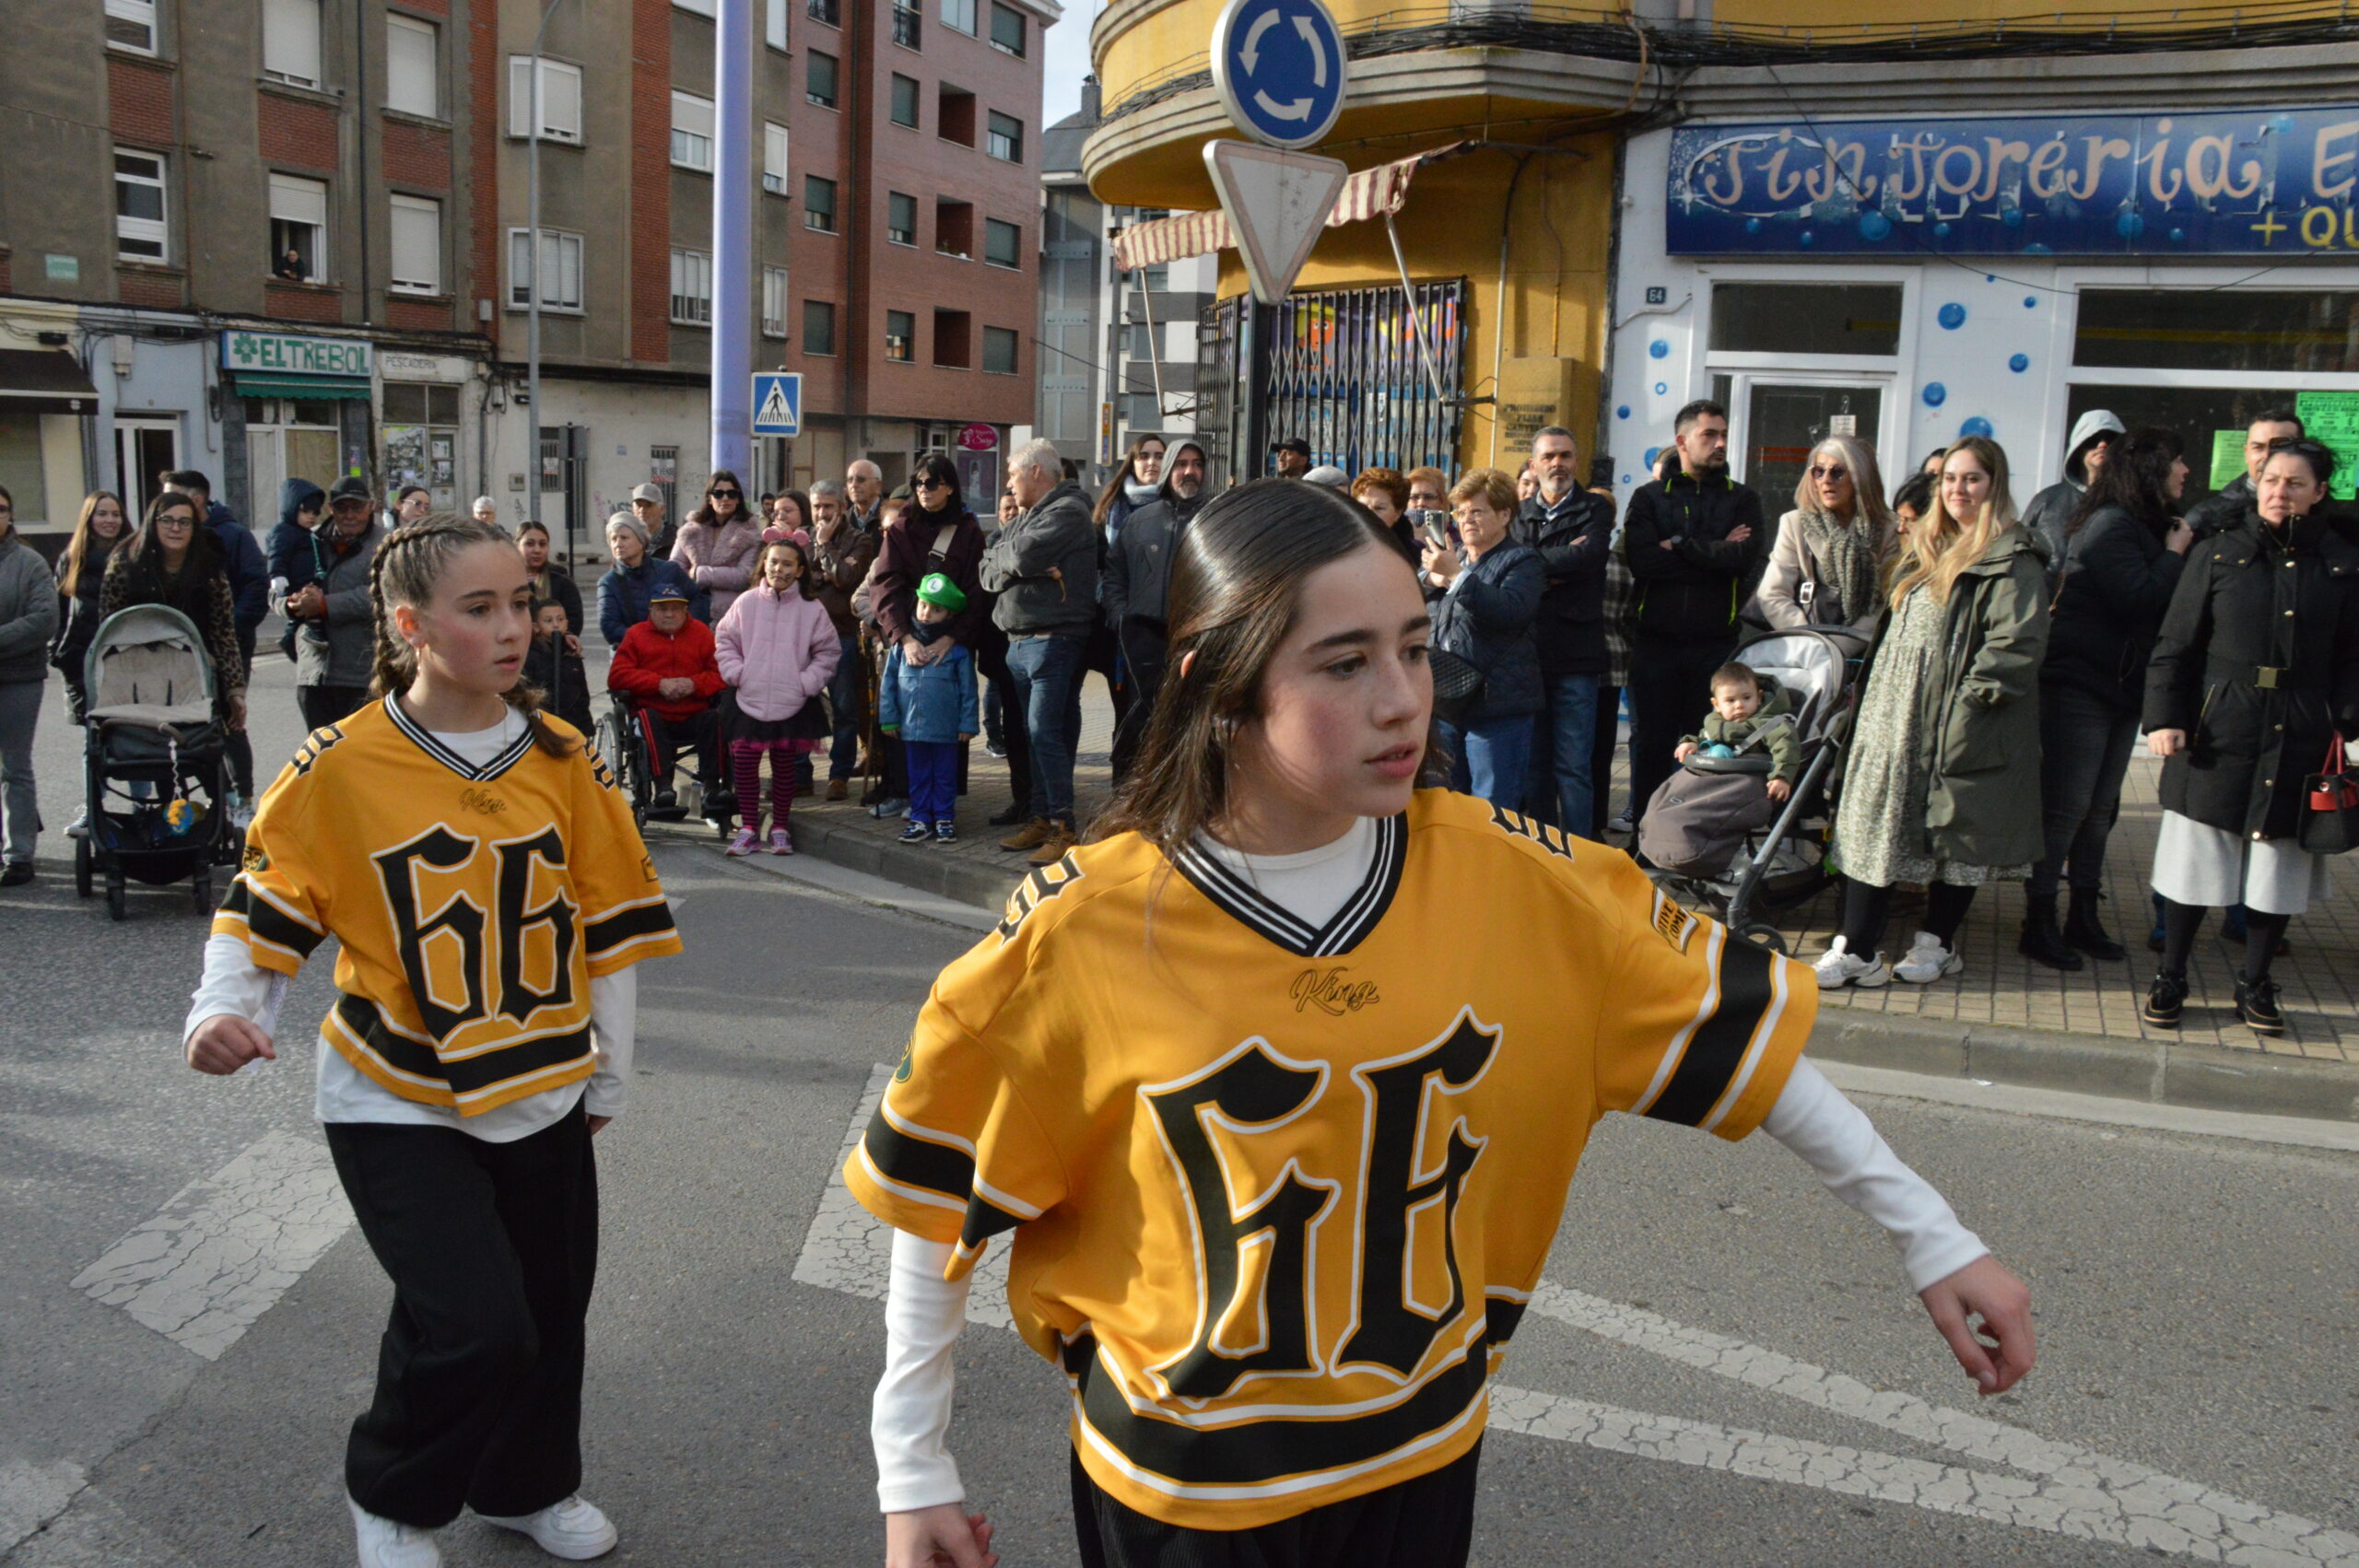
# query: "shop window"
{"points": [[954, 228], [1002, 243], [1007, 30], [905, 101], [20, 465], [901, 218], [1806, 318], [951, 331], [417, 245], [900, 335], [774, 302], [560, 270], [959, 14], [999, 350], [692, 125], [774, 149], [818, 327], [2203, 417], [818, 204], [819, 79], [2218, 330], [291, 41], [298, 228], [412, 62], [131, 25], [560, 99], [1005, 138], [954, 118], [140, 221], [692, 289]]}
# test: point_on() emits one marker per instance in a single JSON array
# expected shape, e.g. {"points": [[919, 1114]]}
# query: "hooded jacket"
{"points": [[2108, 606], [779, 650], [1137, 585], [2052, 509], [1055, 537], [1769, 726], [341, 650], [241, 558]]}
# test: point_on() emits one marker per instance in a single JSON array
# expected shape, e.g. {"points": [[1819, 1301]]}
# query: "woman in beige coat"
{"points": [[1826, 567]]}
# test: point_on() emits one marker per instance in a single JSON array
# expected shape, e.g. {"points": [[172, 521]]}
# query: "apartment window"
{"points": [[905, 101], [951, 330], [954, 228], [412, 62], [901, 218], [900, 335], [818, 204], [773, 302], [692, 131], [953, 119], [131, 24], [1007, 30], [959, 14], [140, 234], [1006, 137], [999, 350], [819, 79], [907, 25], [298, 228], [695, 8], [774, 24], [1002, 243], [291, 41], [418, 245], [774, 158], [560, 275], [560, 99], [692, 289], [818, 327], [821, 11]]}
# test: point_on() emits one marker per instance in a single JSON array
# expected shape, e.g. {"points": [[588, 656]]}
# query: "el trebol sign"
{"points": [[2265, 181], [283, 354]]}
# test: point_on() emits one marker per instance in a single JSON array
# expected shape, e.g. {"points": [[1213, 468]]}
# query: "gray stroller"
{"points": [[154, 760]]}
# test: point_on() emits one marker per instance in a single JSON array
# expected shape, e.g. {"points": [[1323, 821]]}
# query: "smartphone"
{"points": [[1434, 525]]}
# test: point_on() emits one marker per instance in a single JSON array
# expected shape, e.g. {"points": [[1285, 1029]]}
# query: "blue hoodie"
{"points": [[927, 702], [241, 557], [289, 554]]}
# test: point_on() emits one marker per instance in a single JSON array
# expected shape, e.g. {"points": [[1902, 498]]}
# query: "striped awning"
{"points": [[1372, 192]]}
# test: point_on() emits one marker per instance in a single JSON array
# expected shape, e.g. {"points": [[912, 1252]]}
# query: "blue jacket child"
{"points": [[933, 702]]}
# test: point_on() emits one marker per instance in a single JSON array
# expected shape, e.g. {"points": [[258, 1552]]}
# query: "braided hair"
{"points": [[409, 562]]}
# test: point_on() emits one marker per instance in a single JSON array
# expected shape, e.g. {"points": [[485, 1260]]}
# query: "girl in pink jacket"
{"points": [[777, 648]]}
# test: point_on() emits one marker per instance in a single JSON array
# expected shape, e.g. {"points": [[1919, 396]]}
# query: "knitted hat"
{"points": [[939, 590]]}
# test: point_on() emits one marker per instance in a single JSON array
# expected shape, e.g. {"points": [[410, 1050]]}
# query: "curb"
{"points": [[2155, 1071]]}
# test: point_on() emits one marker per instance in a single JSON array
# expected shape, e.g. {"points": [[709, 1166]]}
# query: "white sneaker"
{"points": [[574, 1529], [80, 826], [386, 1544], [1928, 961], [1837, 967]]}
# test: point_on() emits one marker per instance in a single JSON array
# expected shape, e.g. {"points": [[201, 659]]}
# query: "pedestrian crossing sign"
{"points": [[778, 402]]}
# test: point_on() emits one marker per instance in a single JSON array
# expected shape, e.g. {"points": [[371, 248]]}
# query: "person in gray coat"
{"points": [[1044, 568], [335, 638], [28, 620]]}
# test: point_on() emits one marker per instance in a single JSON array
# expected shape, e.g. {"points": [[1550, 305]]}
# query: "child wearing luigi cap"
{"points": [[932, 706]]}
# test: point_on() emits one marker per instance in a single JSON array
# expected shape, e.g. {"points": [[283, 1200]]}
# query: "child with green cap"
{"points": [[932, 706]]}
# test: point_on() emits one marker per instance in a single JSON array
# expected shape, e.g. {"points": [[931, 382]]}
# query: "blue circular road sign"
{"points": [[1279, 66]]}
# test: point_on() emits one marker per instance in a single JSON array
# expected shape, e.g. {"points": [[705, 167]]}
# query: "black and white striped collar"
{"points": [[1343, 930], [506, 757]]}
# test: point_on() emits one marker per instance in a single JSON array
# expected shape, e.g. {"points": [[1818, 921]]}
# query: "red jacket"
{"points": [[647, 658]]}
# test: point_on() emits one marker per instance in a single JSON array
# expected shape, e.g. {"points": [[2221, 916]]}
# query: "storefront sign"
{"points": [[280, 354], [979, 438], [395, 367], [2263, 181]]}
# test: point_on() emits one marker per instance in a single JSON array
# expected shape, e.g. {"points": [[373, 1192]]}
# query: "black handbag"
{"points": [[2331, 820]]}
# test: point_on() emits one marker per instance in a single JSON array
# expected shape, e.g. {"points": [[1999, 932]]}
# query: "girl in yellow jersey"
{"points": [[489, 894], [1278, 1085]]}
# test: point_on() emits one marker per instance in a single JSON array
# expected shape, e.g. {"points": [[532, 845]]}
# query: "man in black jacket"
{"points": [[1136, 590], [1572, 530], [2218, 512], [1695, 544]]}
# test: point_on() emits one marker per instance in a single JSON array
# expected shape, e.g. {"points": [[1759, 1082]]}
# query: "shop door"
{"points": [[1781, 420], [145, 450]]}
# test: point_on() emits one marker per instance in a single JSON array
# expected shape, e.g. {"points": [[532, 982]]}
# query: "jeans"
{"points": [[1600, 758], [845, 689], [1670, 690], [2085, 746], [19, 806], [1568, 728], [1492, 758], [1046, 674]]}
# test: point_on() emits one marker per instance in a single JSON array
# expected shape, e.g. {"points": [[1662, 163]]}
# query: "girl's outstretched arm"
{"points": [[1951, 1270], [918, 1482]]}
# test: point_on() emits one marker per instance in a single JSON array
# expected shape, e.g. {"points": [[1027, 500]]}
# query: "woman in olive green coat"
{"points": [[1942, 785]]}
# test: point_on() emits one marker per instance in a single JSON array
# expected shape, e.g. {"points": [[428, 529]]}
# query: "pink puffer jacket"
{"points": [[779, 650], [718, 558]]}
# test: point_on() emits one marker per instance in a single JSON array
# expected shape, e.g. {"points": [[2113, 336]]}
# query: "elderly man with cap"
{"points": [[2047, 515], [1293, 456], [647, 504], [336, 634], [669, 668]]}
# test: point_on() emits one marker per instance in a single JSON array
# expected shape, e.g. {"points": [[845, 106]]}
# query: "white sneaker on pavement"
{"points": [[744, 843], [387, 1544], [80, 826], [575, 1529], [1928, 961], [1837, 967]]}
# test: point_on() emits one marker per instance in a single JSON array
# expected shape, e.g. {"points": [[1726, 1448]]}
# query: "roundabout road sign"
{"points": [[1279, 67]]}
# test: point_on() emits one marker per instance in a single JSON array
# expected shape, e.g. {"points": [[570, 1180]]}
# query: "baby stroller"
{"points": [[1729, 845], [154, 760]]}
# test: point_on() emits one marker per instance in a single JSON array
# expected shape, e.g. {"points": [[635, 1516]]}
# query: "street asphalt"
{"points": [[1729, 1371]]}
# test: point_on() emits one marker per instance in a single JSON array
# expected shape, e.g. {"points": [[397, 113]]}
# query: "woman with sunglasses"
{"points": [[1827, 565], [937, 532], [717, 543]]}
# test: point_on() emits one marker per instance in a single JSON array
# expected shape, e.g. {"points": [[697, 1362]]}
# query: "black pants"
{"points": [[1671, 691], [241, 748], [493, 1250], [699, 732], [1428, 1522], [990, 662], [2085, 746], [1600, 760], [329, 705]]}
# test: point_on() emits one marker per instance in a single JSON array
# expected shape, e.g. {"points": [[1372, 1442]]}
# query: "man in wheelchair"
{"points": [[667, 673]]}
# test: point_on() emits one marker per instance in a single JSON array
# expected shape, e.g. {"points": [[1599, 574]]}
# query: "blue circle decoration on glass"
{"points": [[1989, 277], [1662, 387], [1658, 349], [2014, 218], [2178, 236], [1951, 316], [2129, 225], [2031, 302], [1935, 395], [1805, 239], [1648, 461], [1626, 479], [2019, 363], [1279, 67], [1977, 426], [1940, 231], [1875, 225], [1753, 225], [1622, 412]]}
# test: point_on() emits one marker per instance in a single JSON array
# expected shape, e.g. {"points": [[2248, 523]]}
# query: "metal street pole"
{"points": [[533, 300], [732, 249]]}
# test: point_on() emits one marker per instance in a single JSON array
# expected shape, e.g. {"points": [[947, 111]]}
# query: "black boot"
{"points": [[2165, 1001], [2257, 1005], [2041, 939], [2083, 930]]}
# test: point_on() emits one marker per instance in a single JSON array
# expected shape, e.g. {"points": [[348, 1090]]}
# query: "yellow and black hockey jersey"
{"points": [[472, 905], [1280, 1194]]}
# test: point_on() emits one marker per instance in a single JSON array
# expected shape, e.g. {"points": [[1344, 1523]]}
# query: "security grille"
{"points": [[1340, 368]]}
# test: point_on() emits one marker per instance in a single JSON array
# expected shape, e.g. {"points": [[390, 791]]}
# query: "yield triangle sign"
{"points": [[1277, 201]]}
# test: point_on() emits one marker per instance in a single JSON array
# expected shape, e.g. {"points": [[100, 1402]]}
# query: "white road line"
{"points": [[2063, 1487], [223, 1251]]}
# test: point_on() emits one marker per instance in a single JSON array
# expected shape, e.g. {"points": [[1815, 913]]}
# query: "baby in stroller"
{"points": [[1749, 713]]}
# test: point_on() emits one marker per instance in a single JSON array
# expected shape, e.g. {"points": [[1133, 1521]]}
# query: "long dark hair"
{"points": [[705, 513], [935, 466], [2136, 477], [1236, 588], [188, 590]]}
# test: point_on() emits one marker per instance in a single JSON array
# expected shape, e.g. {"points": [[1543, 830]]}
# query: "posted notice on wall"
{"points": [[2332, 420], [2227, 457]]}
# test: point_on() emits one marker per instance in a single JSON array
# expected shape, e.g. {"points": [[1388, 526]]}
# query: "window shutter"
{"points": [[290, 40]]}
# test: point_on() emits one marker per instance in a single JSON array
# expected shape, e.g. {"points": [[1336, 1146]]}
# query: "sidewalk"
{"points": [[2003, 1018]]}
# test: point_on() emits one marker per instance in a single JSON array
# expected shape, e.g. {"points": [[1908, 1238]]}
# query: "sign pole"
{"points": [[732, 249]]}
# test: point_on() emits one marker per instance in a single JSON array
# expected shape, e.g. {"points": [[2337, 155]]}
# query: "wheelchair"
{"points": [[624, 744]]}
